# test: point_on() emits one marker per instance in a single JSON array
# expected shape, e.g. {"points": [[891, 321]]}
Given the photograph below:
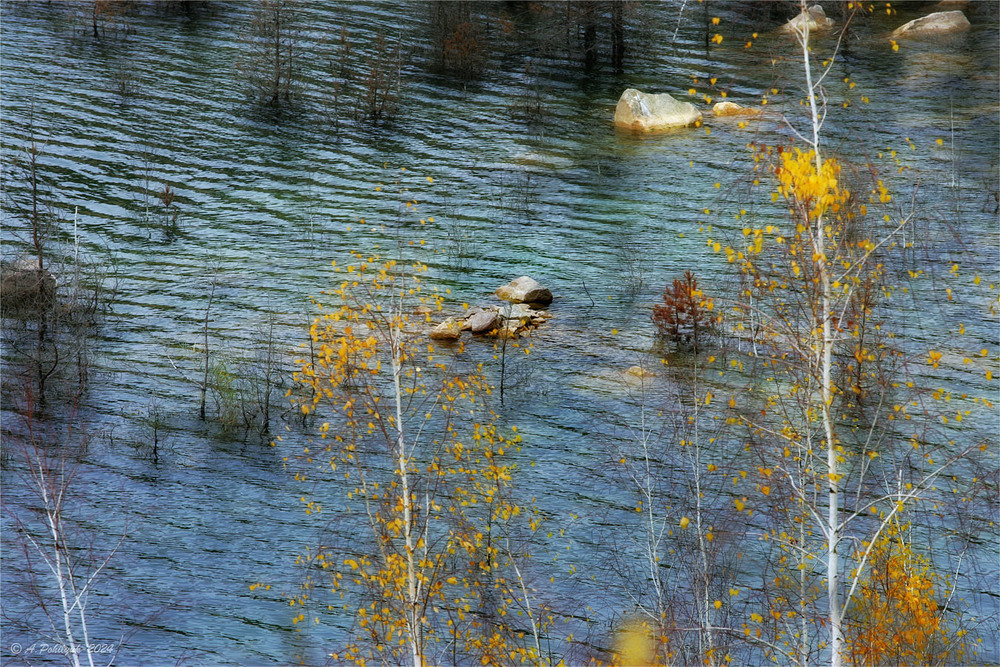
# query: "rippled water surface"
{"points": [[265, 203]]}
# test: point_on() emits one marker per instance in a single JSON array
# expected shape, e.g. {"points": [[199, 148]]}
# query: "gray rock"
{"points": [[468, 314], [645, 112], [482, 322], [937, 23], [525, 290]]}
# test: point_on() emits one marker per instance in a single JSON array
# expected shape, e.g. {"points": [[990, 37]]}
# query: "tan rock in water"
{"points": [[938, 23], [449, 330], [734, 109], [814, 19], [645, 112], [525, 290]]}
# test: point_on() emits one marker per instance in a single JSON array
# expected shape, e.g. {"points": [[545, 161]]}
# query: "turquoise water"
{"points": [[603, 219]]}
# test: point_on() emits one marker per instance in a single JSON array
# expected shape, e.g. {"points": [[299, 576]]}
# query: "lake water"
{"points": [[602, 218]]}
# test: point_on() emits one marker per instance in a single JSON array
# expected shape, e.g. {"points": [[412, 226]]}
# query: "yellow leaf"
{"points": [[685, 522]]}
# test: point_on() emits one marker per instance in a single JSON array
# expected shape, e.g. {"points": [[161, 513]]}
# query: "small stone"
{"points": [[727, 108], [449, 330], [814, 18], [482, 322], [468, 315], [510, 330], [639, 372]]}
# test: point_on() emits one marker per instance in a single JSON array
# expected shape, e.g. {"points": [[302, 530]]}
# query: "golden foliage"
{"points": [[426, 465], [895, 617]]}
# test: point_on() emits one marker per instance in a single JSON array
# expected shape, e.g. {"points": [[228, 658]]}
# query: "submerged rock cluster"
{"points": [[526, 309]]}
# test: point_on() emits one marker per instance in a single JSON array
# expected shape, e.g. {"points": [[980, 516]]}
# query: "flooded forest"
{"points": [[570, 332]]}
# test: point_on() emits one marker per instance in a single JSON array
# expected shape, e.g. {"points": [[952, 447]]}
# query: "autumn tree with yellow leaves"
{"points": [[829, 411], [896, 618], [769, 515], [435, 574]]}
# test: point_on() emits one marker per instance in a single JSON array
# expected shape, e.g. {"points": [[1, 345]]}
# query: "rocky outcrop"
{"points": [[23, 286], [507, 321], [813, 18], [525, 290], [734, 109], [938, 23], [525, 311], [644, 112]]}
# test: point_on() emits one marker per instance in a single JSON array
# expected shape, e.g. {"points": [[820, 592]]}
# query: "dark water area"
{"points": [[529, 177]]}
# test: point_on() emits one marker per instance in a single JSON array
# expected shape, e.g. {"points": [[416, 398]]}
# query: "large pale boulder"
{"points": [[813, 18], [938, 23], [525, 290], [644, 112], [727, 108]]}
